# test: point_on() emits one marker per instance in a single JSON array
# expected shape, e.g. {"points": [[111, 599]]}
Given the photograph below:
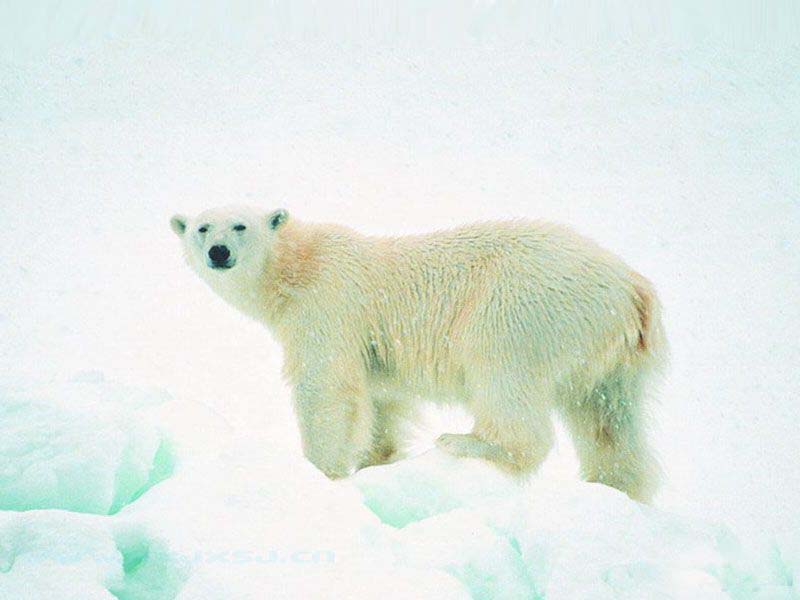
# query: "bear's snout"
{"points": [[219, 255]]}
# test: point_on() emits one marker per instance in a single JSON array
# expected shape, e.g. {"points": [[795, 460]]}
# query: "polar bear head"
{"points": [[228, 247]]}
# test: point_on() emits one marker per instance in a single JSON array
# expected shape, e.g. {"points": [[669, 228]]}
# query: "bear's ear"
{"points": [[277, 218], [178, 224]]}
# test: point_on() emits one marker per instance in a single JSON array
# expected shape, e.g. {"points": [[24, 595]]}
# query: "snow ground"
{"points": [[147, 446]]}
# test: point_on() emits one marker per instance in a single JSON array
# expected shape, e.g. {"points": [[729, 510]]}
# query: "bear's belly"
{"points": [[417, 387]]}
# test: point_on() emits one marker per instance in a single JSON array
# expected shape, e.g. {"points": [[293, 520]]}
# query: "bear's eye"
{"points": [[203, 229], [239, 227]]}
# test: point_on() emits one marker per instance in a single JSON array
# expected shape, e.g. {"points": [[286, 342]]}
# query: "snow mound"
{"points": [[229, 523], [415, 489], [254, 532], [55, 554], [558, 539], [150, 570], [84, 446], [51, 555]]}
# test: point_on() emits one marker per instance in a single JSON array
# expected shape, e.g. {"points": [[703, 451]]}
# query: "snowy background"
{"points": [[147, 445]]}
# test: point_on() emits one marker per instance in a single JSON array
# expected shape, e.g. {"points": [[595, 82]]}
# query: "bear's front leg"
{"points": [[335, 421], [390, 418]]}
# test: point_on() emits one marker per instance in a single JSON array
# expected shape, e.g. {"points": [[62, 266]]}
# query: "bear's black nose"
{"points": [[219, 254]]}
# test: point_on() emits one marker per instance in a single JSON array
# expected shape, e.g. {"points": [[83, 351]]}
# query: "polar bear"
{"points": [[512, 320]]}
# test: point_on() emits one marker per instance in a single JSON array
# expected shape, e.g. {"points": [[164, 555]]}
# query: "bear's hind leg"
{"points": [[608, 430], [513, 430]]}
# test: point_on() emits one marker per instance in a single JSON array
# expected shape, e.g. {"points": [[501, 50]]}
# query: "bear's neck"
{"points": [[269, 290]]}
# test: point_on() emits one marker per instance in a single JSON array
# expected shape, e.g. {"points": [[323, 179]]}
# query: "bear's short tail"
{"points": [[651, 341]]}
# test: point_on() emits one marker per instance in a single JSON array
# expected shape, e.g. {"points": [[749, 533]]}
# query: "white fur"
{"points": [[512, 320]]}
